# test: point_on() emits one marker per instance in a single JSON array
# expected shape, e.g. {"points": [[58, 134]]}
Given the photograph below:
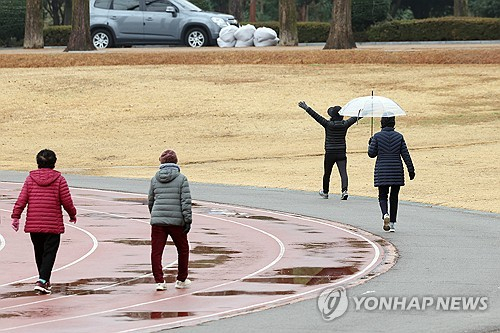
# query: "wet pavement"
{"points": [[242, 260]]}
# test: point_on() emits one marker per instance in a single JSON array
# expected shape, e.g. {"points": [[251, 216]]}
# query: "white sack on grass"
{"points": [[263, 33], [222, 43], [226, 34], [245, 33], [244, 43], [267, 42]]}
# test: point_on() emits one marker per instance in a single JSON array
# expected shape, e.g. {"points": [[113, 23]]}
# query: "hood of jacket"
{"points": [[167, 172], [44, 176]]}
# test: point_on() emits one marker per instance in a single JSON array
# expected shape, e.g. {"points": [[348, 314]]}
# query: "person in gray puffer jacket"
{"points": [[169, 202], [389, 146]]}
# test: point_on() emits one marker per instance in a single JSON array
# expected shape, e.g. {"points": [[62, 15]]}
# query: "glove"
{"points": [[15, 224], [412, 175], [73, 219], [303, 105], [187, 227]]}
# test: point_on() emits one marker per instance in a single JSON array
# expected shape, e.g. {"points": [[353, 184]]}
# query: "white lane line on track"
{"points": [[2, 242], [286, 298], [278, 258], [2, 239], [94, 247]]}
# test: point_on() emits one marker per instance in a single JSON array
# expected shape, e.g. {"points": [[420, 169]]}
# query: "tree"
{"points": [[341, 35], [288, 23], [33, 27], [80, 38], [460, 8], [68, 5], [252, 11]]}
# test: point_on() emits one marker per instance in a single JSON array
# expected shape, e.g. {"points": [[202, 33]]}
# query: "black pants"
{"points": [[383, 192], [45, 246], [330, 160]]}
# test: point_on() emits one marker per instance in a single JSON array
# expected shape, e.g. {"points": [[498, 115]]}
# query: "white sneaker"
{"points": [[344, 195], [387, 220], [323, 194], [391, 227], [182, 285], [161, 286]]}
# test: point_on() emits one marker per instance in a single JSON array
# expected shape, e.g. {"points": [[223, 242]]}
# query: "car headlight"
{"points": [[219, 21]]}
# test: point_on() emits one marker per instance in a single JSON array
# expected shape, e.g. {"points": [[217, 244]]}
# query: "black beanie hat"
{"points": [[388, 122], [333, 112]]}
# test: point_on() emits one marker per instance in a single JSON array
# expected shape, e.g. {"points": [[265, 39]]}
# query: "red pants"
{"points": [[159, 235]]}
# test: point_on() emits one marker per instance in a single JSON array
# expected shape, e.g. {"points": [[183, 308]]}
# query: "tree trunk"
{"points": [[252, 11], [236, 9], [341, 35], [67, 12], [55, 12], [303, 17], [33, 27], [395, 5], [460, 8], [80, 38], [288, 23]]}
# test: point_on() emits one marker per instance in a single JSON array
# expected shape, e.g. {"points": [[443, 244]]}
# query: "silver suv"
{"points": [[167, 22]]}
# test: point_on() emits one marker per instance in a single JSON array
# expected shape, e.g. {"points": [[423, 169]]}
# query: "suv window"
{"points": [[104, 4], [157, 5], [126, 5]]}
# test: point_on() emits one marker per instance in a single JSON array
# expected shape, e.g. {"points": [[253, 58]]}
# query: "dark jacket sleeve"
{"points": [[349, 122], [405, 154], [373, 147], [321, 120]]}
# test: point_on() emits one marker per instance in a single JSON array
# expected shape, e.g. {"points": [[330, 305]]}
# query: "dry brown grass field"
{"points": [[232, 114]]}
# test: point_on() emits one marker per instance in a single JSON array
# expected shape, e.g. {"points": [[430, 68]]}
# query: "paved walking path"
{"points": [[443, 252]]}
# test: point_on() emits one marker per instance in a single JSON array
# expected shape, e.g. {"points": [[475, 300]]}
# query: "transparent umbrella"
{"points": [[372, 106]]}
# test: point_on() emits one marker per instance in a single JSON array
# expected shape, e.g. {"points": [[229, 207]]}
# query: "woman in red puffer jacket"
{"points": [[44, 191]]}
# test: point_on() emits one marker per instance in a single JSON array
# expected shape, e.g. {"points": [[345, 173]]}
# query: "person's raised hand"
{"points": [[303, 105], [15, 224]]}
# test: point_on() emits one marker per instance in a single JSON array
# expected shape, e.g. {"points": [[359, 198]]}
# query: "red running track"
{"points": [[241, 260]]}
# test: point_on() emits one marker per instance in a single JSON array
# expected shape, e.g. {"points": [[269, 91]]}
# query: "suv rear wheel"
{"points": [[196, 37], [102, 39]]}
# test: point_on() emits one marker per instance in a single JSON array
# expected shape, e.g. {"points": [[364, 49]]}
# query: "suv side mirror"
{"points": [[171, 9]]}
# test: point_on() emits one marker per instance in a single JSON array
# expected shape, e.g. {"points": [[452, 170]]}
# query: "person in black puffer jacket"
{"points": [[389, 146], [335, 146]]}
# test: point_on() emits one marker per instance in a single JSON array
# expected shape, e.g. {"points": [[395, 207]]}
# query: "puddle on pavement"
{"points": [[229, 213], [16, 294], [202, 249], [142, 201], [130, 241], [145, 315], [307, 275], [219, 255], [358, 243], [99, 216], [244, 292], [318, 247]]}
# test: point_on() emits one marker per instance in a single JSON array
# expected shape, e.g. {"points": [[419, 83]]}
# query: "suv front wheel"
{"points": [[102, 39], [196, 37]]}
